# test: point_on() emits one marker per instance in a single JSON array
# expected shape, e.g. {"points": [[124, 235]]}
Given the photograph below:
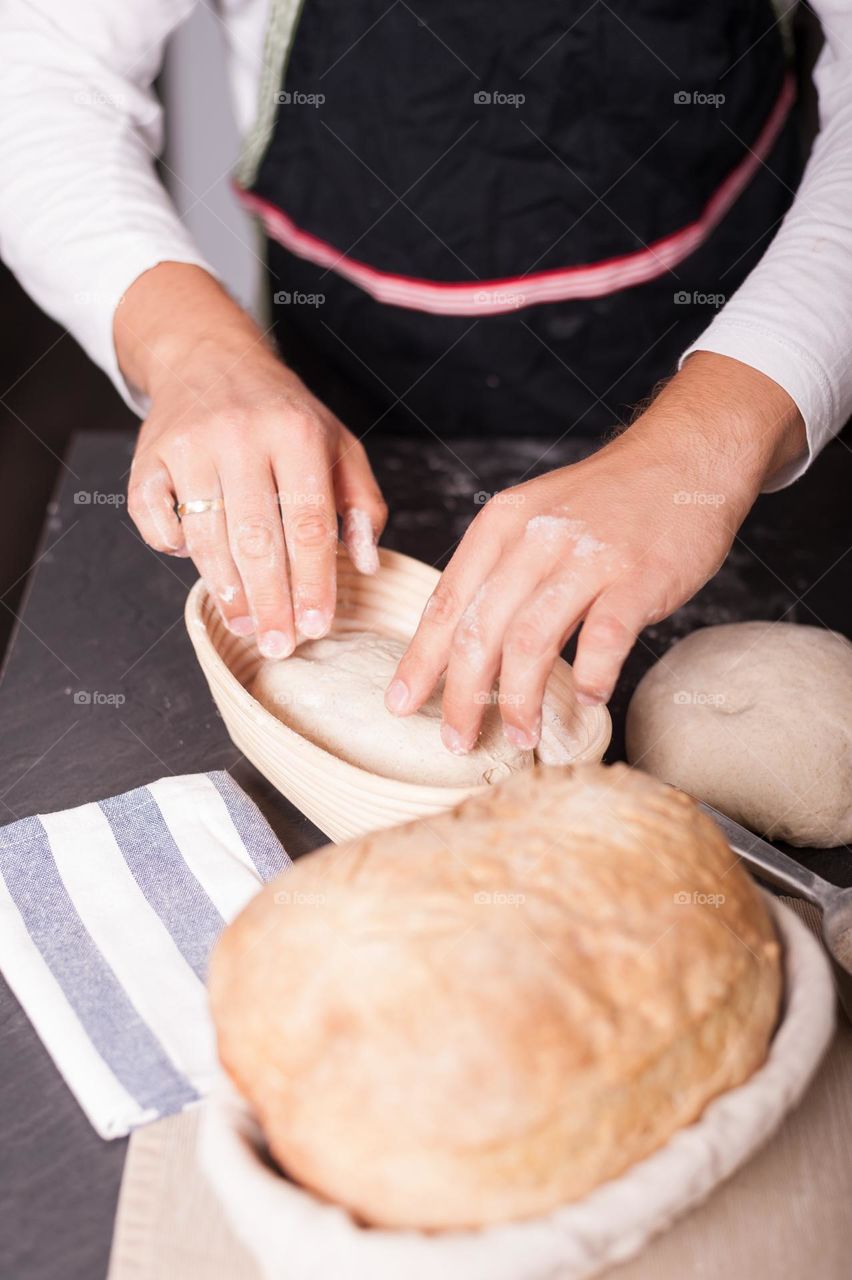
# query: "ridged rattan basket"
{"points": [[339, 798]]}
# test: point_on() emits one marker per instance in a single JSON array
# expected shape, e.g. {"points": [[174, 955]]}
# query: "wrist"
{"points": [[175, 317], [726, 422]]}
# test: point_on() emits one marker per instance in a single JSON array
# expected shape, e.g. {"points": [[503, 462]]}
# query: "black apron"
{"points": [[514, 218]]}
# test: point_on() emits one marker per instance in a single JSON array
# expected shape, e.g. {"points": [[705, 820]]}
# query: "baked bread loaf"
{"points": [[478, 1017]]}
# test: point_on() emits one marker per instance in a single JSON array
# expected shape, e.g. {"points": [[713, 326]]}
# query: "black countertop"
{"points": [[103, 614]]}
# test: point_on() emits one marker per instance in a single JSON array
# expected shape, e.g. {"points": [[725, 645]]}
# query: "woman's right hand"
{"points": [[228, 420]]}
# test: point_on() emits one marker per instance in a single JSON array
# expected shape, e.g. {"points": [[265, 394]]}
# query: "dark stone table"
{"points": [[103, 614]]}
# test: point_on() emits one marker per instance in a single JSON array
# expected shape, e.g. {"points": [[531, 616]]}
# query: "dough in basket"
{"points": [[480, 1016], [332, 691]]}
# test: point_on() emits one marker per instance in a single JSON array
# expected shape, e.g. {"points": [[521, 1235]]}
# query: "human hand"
{"points": [[228, 420], [616, 542]]}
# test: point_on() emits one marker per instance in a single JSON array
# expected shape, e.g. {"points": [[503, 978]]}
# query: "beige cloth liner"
{"points": [[784, 1216]]}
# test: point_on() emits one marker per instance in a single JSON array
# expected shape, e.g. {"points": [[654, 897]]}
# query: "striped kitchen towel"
{"points": [[108, 914]]}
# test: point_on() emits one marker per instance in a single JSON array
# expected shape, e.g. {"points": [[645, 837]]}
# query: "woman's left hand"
{"points": [[616, 542]]}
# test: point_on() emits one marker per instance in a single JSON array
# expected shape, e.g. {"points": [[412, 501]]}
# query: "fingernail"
{"points": [[366, 559], [590, 699], [396, 697], [313, 623], [360, 541], [242, 626], [521, 738], [452, 740], [274, 644]]}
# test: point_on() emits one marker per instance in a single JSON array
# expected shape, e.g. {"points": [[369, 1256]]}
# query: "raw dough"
{"points": [[756, 719], [332, 692], [479, 1016]]}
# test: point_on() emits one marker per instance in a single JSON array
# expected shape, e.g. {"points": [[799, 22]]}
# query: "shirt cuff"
{"points": [[93, 312], [792, 367]]}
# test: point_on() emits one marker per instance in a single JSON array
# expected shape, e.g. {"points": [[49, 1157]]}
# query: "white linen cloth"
{"points": [[108, 913]]}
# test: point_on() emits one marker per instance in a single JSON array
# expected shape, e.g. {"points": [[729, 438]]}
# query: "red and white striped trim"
{"points": [[487, 297]]}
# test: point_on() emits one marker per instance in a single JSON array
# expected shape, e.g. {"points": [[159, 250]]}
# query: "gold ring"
{"points": [[199, 506]]}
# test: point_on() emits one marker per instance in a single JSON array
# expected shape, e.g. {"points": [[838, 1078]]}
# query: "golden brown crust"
{"points": [[479, 1017]]}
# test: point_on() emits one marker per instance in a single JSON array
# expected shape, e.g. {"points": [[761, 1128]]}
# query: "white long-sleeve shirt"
{"points": [[83, 213]]}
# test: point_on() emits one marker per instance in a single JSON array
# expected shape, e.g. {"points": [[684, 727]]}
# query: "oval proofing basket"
{"points": [[339, 798]]}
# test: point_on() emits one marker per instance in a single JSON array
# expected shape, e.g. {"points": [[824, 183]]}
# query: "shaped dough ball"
{"points": [[332, 691], [756, 719], [477, 1017]]}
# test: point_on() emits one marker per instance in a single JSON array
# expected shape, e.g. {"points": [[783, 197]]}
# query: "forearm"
{"points": [[792, 318], [82, 210]]}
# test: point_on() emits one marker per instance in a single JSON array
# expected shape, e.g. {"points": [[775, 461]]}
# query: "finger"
{"points": [[533, 642], [607, 636], [477, 643], [426, 657], [359, 500], [256, 540], [151, 506], [310, 531], [206, 537]]}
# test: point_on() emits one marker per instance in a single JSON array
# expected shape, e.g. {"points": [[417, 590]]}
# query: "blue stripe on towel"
{"points": [[113, 1025], [158, 867], [257, 836]]}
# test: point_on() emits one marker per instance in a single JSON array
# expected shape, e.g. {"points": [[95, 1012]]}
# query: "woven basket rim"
{"points": [[311, 756]]}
